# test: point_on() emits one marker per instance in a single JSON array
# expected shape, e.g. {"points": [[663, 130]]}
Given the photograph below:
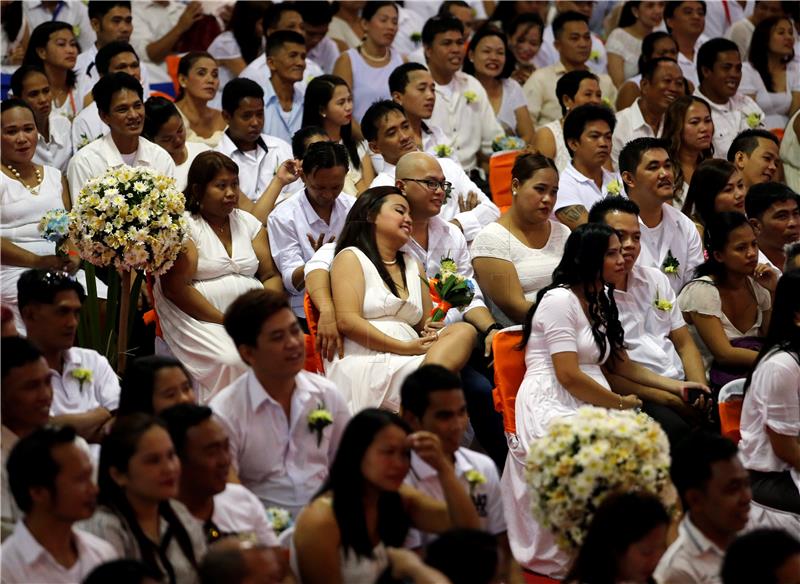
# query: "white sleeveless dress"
{"points": [[205, 347], [367, 378], [562, 154], [20, 213], [370, 84]]}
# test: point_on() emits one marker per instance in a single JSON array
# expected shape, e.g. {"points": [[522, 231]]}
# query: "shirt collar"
{"points": [[228, 146], [114, 157], [638, 118], [309, 212], [30, 549], [698, 540], [580, 177], [719, 107], [270, 95]]}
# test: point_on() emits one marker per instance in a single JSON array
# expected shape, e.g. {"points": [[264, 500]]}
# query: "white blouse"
{"points": [[775, 105], [621, 42], [513, 99], [772, 400]]}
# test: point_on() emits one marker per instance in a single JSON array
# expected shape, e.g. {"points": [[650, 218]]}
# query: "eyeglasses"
{"points": [[433, 185]]}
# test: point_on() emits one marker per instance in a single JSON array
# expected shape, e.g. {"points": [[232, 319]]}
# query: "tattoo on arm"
{"points": [[571, 214]]}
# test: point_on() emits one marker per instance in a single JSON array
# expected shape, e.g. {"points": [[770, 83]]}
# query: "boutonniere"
{"points": [[279, 518], [662, 303], [670, 264], [82, 375], [471, 97], [76, 30], [607, 103], [614, 188], [416, 37], [594, 56], [442, 151], [474, 478], [753, 120], [318, 419]]}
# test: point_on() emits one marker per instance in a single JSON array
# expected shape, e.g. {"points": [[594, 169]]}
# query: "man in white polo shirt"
{"points": [[85, 387], [719, 70], [276, 452], [587, 133], [51, 480], [774, 212], [223, 509], [661, 84], [432, 401], [389, 134], [670, 241], [119, 102], [656, 335]]}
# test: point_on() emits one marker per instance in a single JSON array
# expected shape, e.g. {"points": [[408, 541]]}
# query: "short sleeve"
{"points": [[225, 47], [701, 296], [557, 317], [762, 296], [322, 259], [778, 381], [108, 385], [492, 242], [251, 225], [615, 43], [516, 97], [751, 81]]}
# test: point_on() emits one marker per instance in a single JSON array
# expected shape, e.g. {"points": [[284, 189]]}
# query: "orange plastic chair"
{"points": [[778, 132], [151, 316], [500, 165], [509, 369], [313, 359], [172, 62], [730, 401], [536, 579]]}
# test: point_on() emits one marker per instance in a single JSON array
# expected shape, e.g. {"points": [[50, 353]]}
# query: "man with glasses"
{"points": [[85, 387], [389, 134]]}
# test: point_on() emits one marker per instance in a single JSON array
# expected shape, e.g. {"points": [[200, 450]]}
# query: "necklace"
{"points": [[391, 263], [34, 189], [369, 57]]}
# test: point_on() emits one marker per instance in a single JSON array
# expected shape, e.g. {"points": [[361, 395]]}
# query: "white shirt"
{"points": [[257, 167], [452, 110], [548, 55], [540, 92], [647, 327], [717, 21], [691, 558], [409, 30], [182, 170], [72, 12], [70, 396], [88, 127], [471, 221], [279, 460], [288, 226], [25, 560], [238, 511], [485, 497], [741, 32], [730, 119], [151, 22], [773, 401], [260, 72], [446, 240], [58, 150], [689, 66], [576, 189], [776, 105], [324, 55], [676, 234], [10, 512], [97, 157], [628, 48], [631, 125]]}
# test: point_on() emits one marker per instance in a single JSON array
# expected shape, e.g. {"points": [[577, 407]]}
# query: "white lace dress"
{"points": [[205, 347], [559, 325], [367, 378]]}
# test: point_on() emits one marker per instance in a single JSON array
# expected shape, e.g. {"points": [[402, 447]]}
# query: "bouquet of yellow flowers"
{"points": [[585, 457], [449, 289]]}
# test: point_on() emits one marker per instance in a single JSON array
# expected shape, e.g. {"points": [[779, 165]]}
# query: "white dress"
{"points": [[367, 378], [370, 84], [623, 44], [701, 296], [776, 105], [204, 347], [20, 212], [182, 170], [559, 325], [562, 154], [513, 99]]}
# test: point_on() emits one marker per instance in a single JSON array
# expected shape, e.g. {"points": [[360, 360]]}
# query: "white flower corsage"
{"points": [[474, 478], [318, 420], [670, 264], [753, 120], [471, 97], [82, 375], [442, 151], [614, 188]]}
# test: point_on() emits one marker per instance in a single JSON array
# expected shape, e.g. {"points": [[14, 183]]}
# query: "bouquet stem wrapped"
{"points": [[449, 289]]}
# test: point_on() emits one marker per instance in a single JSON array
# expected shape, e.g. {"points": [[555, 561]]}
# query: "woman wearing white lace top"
{"points": [[572, 89], [514, 257], [489, 61], [624, 45]]}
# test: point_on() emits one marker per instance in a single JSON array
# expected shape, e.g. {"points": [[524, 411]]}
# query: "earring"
{"points": [[513, 192]]}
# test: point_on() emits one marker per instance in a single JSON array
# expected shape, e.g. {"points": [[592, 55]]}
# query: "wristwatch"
{"points": [[492, 327]]}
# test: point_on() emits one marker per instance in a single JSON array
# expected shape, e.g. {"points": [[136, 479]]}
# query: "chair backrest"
{"points": [[730, 401], [509, 369], [312, 319], [500, 165]]}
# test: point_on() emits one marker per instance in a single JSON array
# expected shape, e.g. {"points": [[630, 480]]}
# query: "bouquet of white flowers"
{"points": [[503, 143], [131, 217], [585, 457]]}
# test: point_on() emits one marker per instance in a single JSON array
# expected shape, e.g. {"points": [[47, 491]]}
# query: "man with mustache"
{"points": [[662, 83], [670, 241], [719, 70], [119, 102], [51, 480]]}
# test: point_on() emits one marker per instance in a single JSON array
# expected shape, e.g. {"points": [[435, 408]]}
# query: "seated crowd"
{"points": [[311, 408]]}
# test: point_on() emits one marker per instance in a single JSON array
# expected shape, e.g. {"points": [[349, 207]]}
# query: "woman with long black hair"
{"points": [[54, 48], [770, 423], [364, 507], [571, 331]]}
